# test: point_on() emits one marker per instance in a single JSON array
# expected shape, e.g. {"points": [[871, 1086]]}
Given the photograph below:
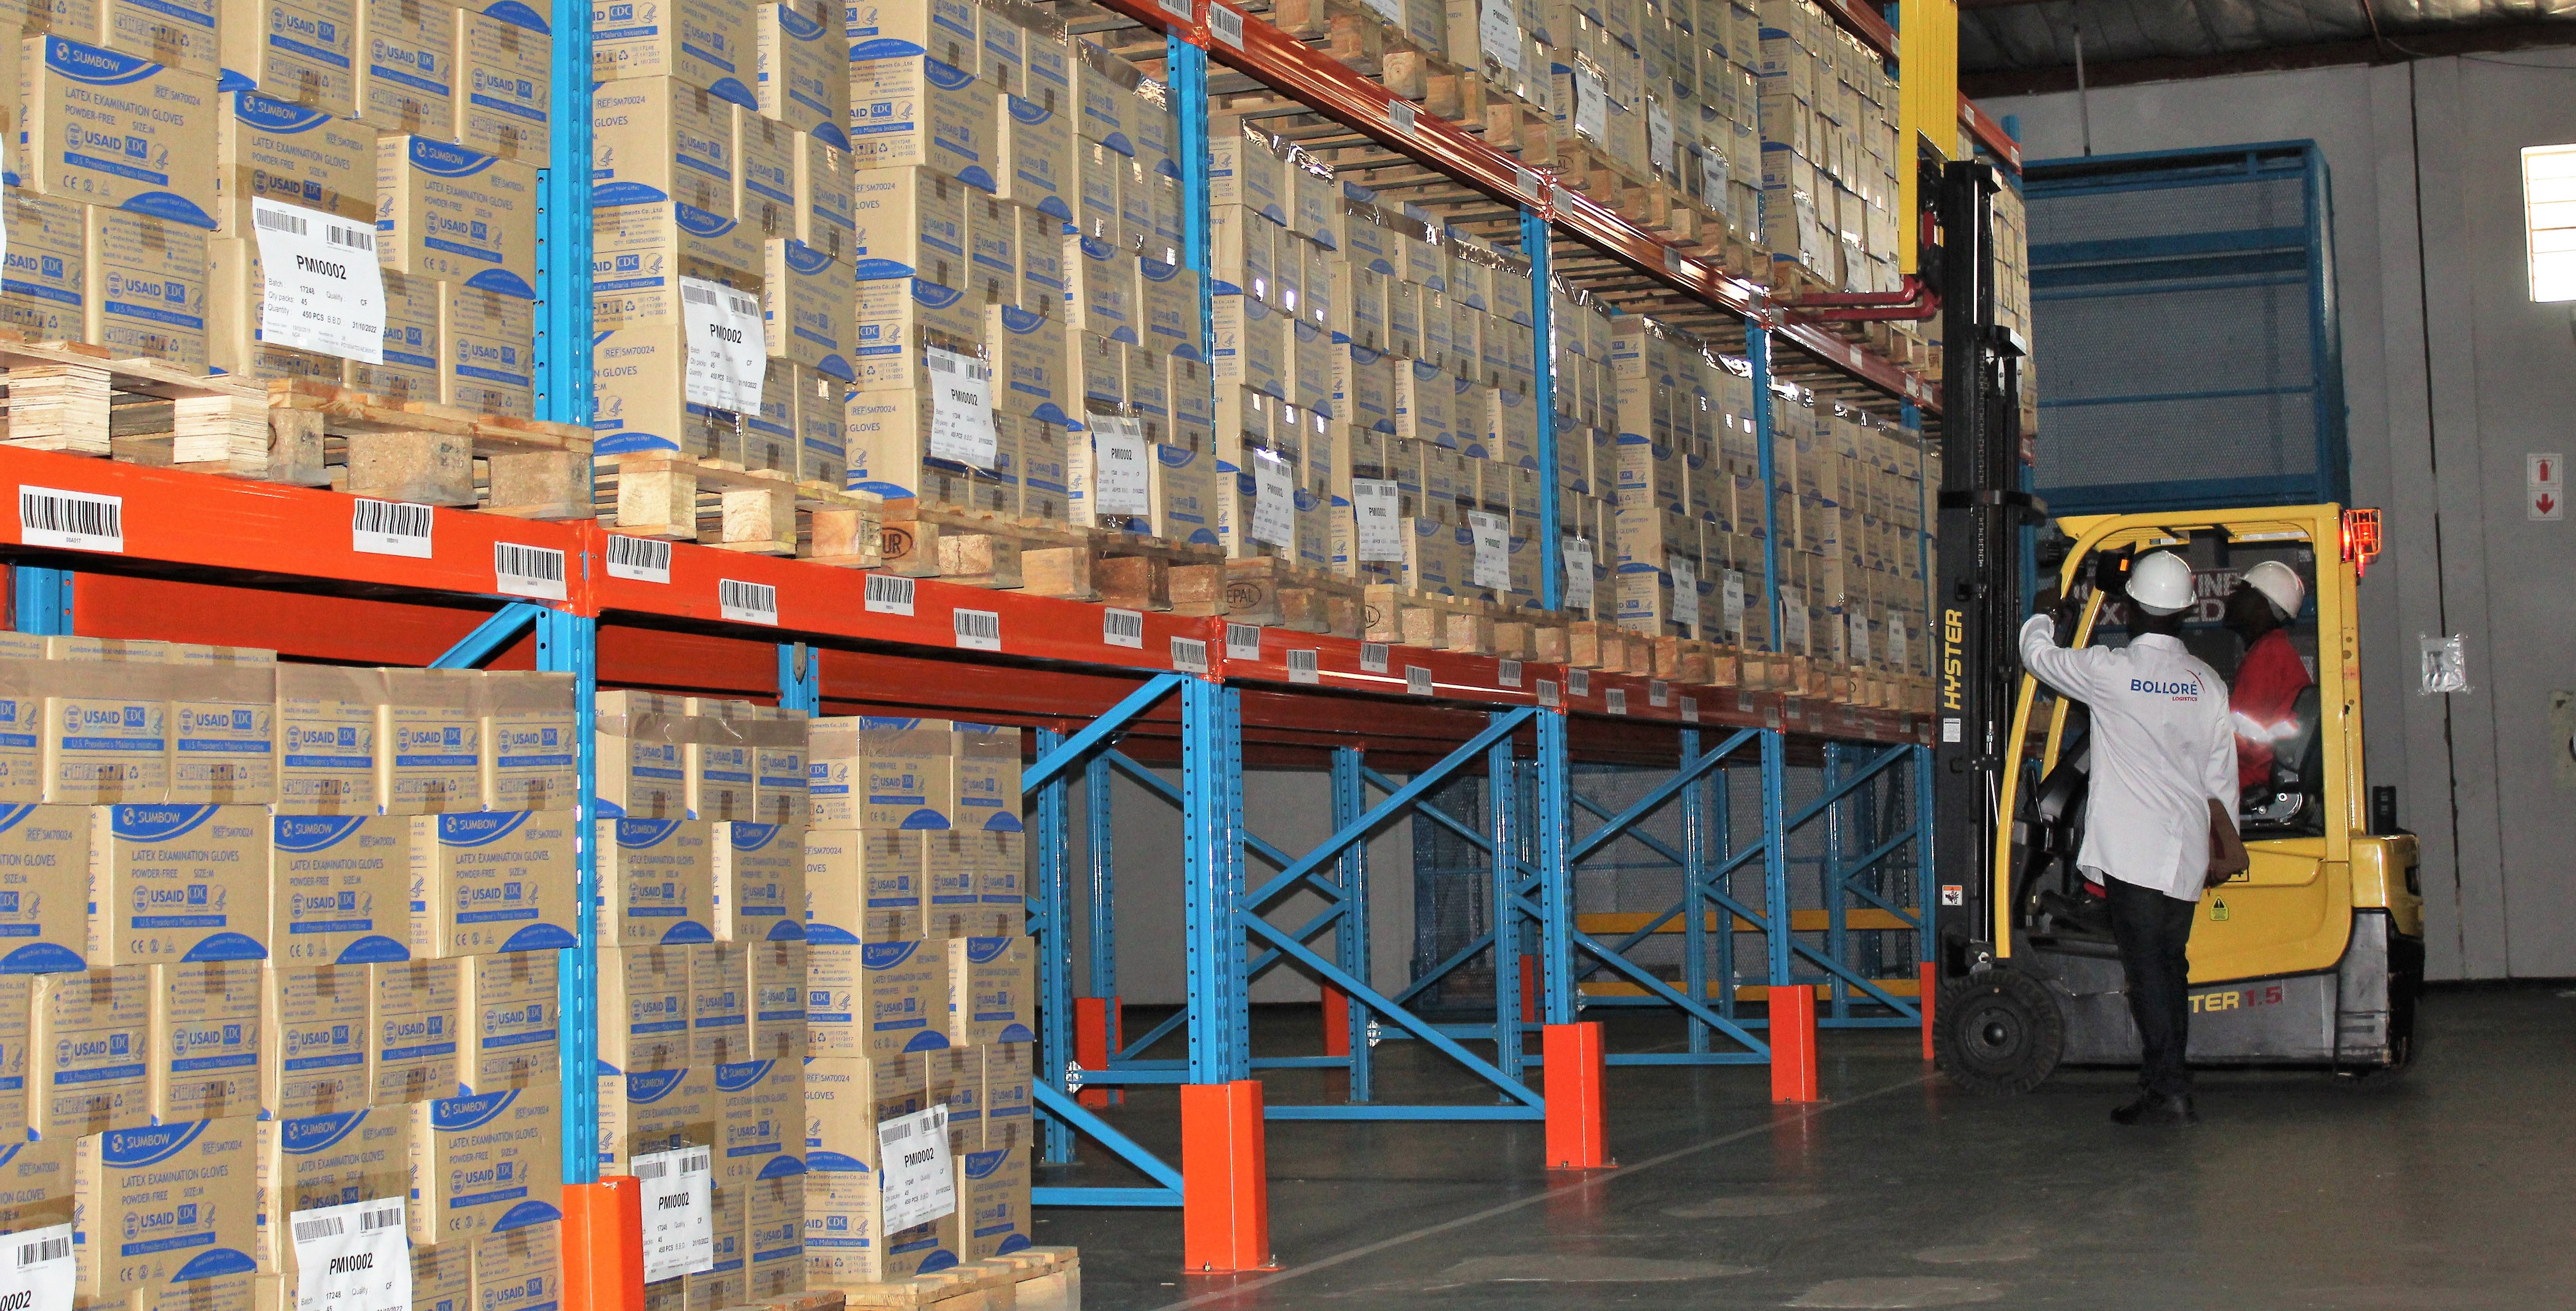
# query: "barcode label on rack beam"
{"points": [[1578, 682], [889, 594], [1616, 698], [1690, 710], [1527, 181], [74, 521], [1402, 115], [1243, 641], [1123, 628], [1225, 24], [977, 630], [1417, 680], [1675, 266], [1180, 9], [1508, 673], [1301, 667], [1547, 693], [390, 528], [1372, 657], [641, 559], [1189, 655], [1744, 703], [1658, 692], [747, 603], [536, 571]]}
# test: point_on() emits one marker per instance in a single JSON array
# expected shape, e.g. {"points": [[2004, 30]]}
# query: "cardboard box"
{"points": [[760, 1111], [774, 1241], [758, 878], [415, 1011], [874, 772], [518, 1266], [993, 1202], [339, 889], [992, 990], [44, 892], [315, 1022], [716, 1289], [147, 287], [223, 746], [442, 1277], [644, 1009], [729, 1221], [910, 222], [491, 338], [315, 1161], [647, 1111], [179, 883], [778, 759], [1100, 289], [1182, 490], [429, 742], [1029, 360], [476, 1160], [721, 784], [986, 777], [293, 154], [1037, 139], [529, 756], [639, 405], [658, 139], [35, 1185], [844, 1102], [505, 87], [949, 903], [642, 750], [719, 1003], [98, 1025], [458, 215], [993, 250], [862, 886], [954, 1077], [916, 110], [639, 253], [234, 1292], [1251, 344], [899, 319], [406, 66], [945, 30], [804, 73], [413, 348], [824, 181], [178, 35], [492, 881], [46, 294], [877, 1001], [1008, 1117], [655, 885], [806, 304], [702, 43], [822, 456], [189, 1187], [775, 971], [303, 51], [326, 738], [509, 1009], [205, 1040], [764, 196]]}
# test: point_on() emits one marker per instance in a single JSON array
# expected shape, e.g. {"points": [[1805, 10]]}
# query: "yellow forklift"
{"points": [[2312, 956]]}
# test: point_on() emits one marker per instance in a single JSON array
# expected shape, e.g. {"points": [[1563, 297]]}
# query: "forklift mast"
{"points": [[1981, 510]]}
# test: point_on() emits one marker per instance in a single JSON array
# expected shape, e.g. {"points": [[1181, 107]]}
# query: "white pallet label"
{"points": [[355, 1256], [918, 1184], [727, 346], [679, 1211], [323, 289], [37, 1272]]}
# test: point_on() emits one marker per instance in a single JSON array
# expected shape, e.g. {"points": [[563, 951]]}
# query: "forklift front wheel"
{"points": [[1999, 1033]]}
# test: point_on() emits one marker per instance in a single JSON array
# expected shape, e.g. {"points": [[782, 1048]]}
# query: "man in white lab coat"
{"points": [[2162, 749]]}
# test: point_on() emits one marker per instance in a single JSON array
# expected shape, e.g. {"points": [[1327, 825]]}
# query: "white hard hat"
{"points": [[2160, 583], [2280, 584]]}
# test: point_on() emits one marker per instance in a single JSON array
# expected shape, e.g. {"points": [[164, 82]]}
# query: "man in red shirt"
{"points": [[2271, 676]]}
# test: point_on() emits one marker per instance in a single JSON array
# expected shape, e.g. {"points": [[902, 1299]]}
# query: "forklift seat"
{"points": [[2292, 802]]}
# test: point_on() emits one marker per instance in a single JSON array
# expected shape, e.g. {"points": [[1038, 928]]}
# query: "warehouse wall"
{"points": [[1292, 809], [2452, 377]]}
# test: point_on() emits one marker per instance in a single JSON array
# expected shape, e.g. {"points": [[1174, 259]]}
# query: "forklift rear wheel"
{"points": [[1999, 1033]]}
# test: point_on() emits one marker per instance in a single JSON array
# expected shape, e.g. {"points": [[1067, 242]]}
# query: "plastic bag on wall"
{"points": [[2445, 665]]}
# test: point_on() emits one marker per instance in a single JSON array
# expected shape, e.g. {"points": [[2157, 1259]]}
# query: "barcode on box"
{"points": [[1189, 655], [978, 630], [390, 1217], [891, 1132], [528, 571], [352, 238], [1372, 657], [1301, 667], [697, 295], [1508, 673], [1123, 628], [325, 1226], [747, 603], [889, 594], [390, 528], [648, 1168], [1617, 699], [77, 521], [1242, 641], [640, 559], [1417, 680], [698, 1162], [277, 220], [50, 1249]]}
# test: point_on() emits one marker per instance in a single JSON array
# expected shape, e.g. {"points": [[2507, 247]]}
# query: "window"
{"points": [[2549, 219]]}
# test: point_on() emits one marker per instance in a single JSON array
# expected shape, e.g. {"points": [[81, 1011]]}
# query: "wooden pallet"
{"points": [[1402, 616], [922, 539], [720, 504], [428, 454], [1359, 37], [1031, 1279], [1275, 594]]}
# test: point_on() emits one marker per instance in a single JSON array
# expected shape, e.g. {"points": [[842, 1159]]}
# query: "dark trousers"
{"points": [[2153, 931]]}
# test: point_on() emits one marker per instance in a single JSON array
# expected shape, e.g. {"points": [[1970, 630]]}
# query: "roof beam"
{"points": [[2396, 49]]}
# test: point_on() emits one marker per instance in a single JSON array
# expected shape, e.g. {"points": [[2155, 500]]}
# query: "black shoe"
{"points": [[2151, 1109]]}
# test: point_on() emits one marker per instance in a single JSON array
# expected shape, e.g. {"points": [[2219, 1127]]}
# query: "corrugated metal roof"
{"points": [[2018, 35]]}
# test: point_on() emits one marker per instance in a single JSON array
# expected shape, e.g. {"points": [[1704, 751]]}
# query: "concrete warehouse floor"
{"points": [[2446, 1187]]}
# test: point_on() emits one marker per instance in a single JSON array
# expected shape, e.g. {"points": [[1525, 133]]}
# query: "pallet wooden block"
{"points": [[714, 503], [1036, 1278], [442, 455], [1274, 594]]}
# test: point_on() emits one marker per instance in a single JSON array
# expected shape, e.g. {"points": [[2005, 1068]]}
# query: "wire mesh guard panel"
{"points": [[2179, 337]]}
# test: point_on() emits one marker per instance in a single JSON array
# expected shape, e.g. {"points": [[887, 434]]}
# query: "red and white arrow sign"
{"points": [[2544, 496]]}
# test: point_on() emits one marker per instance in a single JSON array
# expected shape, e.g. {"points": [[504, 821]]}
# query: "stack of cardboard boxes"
{"points": [[1829, 150], [921, 987], [418, 126], [722, 160], [289, 933]]}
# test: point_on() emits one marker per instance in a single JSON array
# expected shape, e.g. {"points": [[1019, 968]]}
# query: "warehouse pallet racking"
{"points": [[199, 558]]}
